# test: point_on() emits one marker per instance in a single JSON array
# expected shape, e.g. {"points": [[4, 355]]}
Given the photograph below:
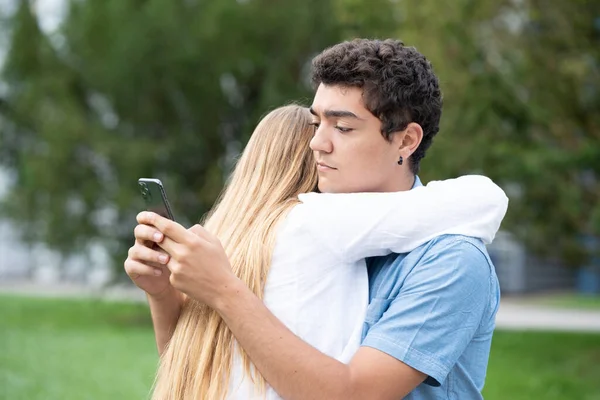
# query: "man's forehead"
{"points": [[338, 98]]}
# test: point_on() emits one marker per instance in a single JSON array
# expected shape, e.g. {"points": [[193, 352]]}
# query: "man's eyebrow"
{"points": [[336, 114]]}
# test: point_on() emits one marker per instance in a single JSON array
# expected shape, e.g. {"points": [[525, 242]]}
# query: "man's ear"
{"points": [[409, 139]]}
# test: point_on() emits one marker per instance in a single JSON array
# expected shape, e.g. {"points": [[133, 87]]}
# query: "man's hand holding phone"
{"points": [[146, 262], [146, 267], [198, 265]]}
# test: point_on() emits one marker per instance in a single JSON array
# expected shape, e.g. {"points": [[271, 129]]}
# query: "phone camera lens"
{"points": [[144, 190]]}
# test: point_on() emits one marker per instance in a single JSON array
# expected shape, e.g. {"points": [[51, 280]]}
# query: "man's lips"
{"points": [[324, 167]]}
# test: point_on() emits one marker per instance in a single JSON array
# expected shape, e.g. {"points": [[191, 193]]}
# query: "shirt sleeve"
{"points": [[438, 310], [361, 225]]}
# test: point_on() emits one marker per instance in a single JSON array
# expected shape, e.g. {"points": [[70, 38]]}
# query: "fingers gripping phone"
{"points": [[155, 197]]}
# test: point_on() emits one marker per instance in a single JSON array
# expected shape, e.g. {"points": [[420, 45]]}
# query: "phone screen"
{"points": [[155, 197]]}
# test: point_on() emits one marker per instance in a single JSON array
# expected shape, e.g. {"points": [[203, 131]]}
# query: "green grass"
{"points": [[66, 349], [75, 349], [544, 365]]}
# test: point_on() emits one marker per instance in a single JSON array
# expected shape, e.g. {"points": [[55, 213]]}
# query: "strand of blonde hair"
{"points": [[274, 168]]}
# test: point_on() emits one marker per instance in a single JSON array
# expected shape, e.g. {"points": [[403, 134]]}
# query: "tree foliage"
{"points": [[171, 89], [522, 98]]}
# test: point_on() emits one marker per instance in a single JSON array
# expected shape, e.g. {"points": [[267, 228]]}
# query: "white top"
{"points": [[318, 286]]}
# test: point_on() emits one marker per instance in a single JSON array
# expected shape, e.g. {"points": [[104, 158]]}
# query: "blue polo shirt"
{"points": [[434, 309]]}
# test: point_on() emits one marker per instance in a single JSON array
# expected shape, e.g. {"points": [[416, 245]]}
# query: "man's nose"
{"points": [[321, 141]]}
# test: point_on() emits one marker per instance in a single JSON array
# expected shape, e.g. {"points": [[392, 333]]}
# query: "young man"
{"points": [[430, 319]]}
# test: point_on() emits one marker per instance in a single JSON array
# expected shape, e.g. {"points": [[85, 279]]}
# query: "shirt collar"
{"points": [[417, 182]]}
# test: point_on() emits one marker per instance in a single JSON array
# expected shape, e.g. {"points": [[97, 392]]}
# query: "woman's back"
{"points": [[318, 285], [317, 296]]}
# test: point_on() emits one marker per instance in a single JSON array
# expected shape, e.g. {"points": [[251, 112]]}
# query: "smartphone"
{"points": [[155, 196]]}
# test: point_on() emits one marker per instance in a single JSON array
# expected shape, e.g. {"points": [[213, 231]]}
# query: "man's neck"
{"points": [[406, 182]]}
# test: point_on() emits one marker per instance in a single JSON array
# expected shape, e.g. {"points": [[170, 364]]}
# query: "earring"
{"points": [[400, 161]]}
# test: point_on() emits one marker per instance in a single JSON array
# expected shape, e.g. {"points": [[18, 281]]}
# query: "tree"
{"points": [[522, 94], [131, 89]]}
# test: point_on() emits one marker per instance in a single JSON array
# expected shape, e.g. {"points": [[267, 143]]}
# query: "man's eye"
{"points": [[342, 129]]}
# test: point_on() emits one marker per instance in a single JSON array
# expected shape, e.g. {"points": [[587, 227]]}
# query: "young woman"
{"points": [[304, 254]]}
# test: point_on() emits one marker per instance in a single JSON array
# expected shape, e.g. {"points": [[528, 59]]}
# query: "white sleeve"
{"points": [[360, 225]]}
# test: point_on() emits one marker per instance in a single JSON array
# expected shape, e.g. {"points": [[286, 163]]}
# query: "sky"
{"points": [[49, 12]]}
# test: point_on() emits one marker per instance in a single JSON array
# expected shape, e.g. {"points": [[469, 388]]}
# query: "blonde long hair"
{"points": [[274, 168]]}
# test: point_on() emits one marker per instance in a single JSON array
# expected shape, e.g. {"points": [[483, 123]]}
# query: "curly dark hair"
{"points": [[399, 85]]}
